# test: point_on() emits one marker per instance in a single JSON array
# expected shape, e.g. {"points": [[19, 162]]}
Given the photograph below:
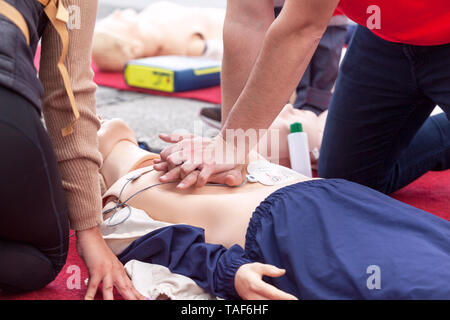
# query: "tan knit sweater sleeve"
{"points": [[77, 154]]}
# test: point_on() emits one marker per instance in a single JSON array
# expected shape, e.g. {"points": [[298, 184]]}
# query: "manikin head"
{"points": [[118, 39], [312, 125], [163, 28]]}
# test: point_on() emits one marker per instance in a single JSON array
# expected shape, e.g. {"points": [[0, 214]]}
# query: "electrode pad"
{"points": [[271, 174]]}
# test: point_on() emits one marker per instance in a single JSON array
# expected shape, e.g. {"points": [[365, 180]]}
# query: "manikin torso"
{"points": [[224, 212]]}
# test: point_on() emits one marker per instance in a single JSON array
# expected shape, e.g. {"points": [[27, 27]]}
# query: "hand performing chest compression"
{"points": [[198, 160]]}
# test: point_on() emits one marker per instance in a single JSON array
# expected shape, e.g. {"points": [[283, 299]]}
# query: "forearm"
{"points": [[288, 47], [277, 71], [242, 44], [78, 156]]}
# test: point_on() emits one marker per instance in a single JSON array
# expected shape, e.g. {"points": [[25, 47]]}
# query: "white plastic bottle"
{"points": [[299, 150]]}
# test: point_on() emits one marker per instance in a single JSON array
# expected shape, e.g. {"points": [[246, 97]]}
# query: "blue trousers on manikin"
{"points": [[336, 240]]}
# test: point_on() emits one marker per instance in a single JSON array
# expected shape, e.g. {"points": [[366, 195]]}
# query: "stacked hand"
{"points": [[197, 160]]}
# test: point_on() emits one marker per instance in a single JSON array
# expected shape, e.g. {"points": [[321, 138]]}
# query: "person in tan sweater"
{"points": [[50, 179]]}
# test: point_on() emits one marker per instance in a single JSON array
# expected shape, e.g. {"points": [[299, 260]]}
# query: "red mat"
{"points": [[116, 80], [430, 193]]}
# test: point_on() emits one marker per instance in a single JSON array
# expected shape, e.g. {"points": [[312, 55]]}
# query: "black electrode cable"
{"points": [[120, 204]]}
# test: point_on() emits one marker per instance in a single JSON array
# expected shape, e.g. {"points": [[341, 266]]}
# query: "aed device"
{"points": [[173, 73]]}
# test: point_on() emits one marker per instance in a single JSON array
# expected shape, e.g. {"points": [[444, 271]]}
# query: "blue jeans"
{"points": [[378, 131], [314, 90]]}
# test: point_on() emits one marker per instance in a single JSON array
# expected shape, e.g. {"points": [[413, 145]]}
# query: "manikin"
{"points": [[335, 239], [163, 28], [117, 140], [226, 226]]}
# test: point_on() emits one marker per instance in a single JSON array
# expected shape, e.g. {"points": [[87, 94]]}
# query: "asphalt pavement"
{"points": [[146, 114]]}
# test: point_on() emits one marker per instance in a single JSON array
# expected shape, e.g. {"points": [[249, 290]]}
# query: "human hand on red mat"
{"points": [[250, 286], [197, 160], [104, 267]]}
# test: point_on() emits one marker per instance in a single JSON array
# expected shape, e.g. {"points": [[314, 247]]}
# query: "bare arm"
{"points": [[288, 47], [246, 23]]}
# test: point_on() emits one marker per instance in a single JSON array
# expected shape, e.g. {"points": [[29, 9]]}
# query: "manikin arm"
{"points": [[225, 273], [182, 249]]}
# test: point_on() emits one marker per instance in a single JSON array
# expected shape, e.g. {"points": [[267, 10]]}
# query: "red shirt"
{"points": [[417, 22]]}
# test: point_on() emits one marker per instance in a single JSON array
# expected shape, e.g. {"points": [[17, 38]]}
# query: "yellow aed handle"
{"points": [[150, 78]]}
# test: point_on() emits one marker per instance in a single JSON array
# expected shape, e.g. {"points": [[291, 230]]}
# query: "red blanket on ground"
{"points": [[116, 80]]}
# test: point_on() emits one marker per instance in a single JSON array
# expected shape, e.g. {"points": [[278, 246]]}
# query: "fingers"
{"points": [[189, 171], [268, 291], [108, 288], [92, 288], [127, 290], [229, 174], [169, 138], [204, 175], [187, 168], [231, 178], [162, 166], [195, 153], [175, 159], [169, 150], [187, 144], [233, 181], [191, 148], [270, 270], [174, 137], [171, 176], [189, 180]]}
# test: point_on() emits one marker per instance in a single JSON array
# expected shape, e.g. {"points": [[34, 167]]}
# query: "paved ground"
{"points": [[146, 114]]}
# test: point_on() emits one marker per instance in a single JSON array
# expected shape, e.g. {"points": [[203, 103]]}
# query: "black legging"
{"points": [[34, 227]]}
